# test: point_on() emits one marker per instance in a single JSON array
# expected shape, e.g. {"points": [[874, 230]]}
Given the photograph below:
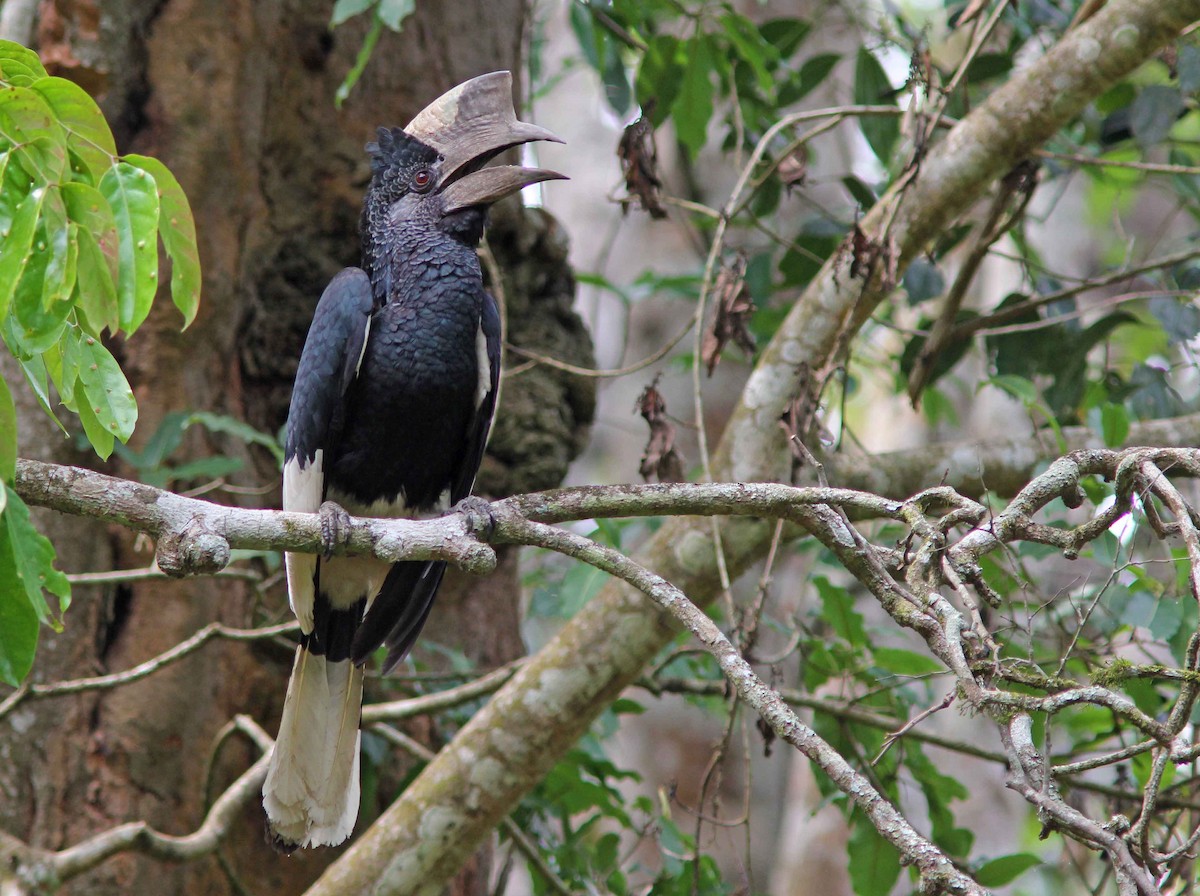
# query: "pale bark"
{"points": [[509, 745]]}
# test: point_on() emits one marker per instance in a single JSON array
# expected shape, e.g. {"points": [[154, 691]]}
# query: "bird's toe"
{"points": [[335, 527]]}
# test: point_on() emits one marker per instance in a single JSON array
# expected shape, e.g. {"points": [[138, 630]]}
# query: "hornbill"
{"points": [[389, 416]]}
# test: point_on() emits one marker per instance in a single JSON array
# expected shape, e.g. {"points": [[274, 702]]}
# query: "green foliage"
{"points": [[384, 13], [79, 234]]}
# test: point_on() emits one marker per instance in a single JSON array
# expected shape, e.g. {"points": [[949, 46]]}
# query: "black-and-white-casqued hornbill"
{"points": [[390, 413]]}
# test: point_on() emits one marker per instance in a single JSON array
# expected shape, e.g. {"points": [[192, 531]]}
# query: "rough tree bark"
{"points": [[237, 99]]}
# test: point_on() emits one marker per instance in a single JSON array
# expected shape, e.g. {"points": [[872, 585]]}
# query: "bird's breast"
{"points": [[412, 403]]}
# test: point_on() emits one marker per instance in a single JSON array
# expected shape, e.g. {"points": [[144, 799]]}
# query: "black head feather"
{"points": [[395, 155]]}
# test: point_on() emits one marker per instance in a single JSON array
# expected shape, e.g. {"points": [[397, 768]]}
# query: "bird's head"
{"points": [[434, 170]]}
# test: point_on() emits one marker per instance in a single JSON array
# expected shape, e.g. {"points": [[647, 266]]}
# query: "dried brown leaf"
{"points": [[660, 460], [731, 315], [639, 162]]}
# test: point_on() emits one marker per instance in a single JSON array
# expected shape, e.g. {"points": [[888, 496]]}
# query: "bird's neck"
{"points": [[404, 258]]}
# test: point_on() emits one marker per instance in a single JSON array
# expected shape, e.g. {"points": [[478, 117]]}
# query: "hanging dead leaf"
{"points": [[639, 162], [731, 314], [660, 460]]}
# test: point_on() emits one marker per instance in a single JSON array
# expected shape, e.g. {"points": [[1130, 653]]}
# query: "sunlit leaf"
{"points": [[105, 390], [101, 439], [133, 197], [178, 231], [16, 245], [19, 64], [88, 135], [41, 305], [29, 125], [99, 251]]}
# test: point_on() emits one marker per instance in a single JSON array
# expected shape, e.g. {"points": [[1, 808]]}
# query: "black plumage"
{"points": [[390, 414]]}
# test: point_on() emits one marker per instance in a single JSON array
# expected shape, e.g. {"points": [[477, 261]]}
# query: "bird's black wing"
{"points": [[398, 614], [481, 423], [328, 366]]}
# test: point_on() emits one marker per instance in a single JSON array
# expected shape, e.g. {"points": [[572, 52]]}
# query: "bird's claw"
{"points": [[478, 512], [335, 527]]}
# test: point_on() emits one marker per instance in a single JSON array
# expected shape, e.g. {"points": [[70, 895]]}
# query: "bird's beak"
{"points": [[469, 126], [491, 185]]}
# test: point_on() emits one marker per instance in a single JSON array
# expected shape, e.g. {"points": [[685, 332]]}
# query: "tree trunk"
{"points": [[237, 99]]}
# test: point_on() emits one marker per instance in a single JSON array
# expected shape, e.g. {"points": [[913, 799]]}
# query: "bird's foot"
{"points": [[478, 512], [335, 527]]}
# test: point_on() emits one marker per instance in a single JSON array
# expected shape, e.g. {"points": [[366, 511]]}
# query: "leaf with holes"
{"points": [[133, 196], [178, 231], [106, 392]]}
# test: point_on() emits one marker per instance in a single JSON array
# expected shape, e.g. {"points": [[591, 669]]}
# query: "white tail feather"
{"points": [[311, 791]]}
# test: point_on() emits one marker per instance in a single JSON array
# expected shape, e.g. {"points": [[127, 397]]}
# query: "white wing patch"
{"points": [[363, 351], [302, 489], [485, 368]]}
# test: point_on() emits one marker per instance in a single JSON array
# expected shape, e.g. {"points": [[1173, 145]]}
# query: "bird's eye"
{"points": [[422, 180]]}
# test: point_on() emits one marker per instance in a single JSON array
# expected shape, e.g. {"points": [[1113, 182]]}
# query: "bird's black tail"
{"points": [[398, 613]]}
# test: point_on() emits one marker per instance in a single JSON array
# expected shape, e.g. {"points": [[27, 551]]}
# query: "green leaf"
{"points": [[238, 428], [837, 608], [16, 245], [33, 561], [19, 61], [876, 865], [348, 9], [693, 107], [658, 77], [97, 266], [18, 620], [906, 662], [360, 62], [1005, 869], [872, 88], [177, 228], [1018, 387], [41, 304], [101, 439], [393, 12], [27, 122], [8, 436], [106, 392], [785, 34], [811, 75], [133, 196], [1114, 424], [88, 135], [750, 47]]}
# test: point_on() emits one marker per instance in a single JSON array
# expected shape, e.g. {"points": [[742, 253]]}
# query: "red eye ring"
{"points": [[422, 179]]}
